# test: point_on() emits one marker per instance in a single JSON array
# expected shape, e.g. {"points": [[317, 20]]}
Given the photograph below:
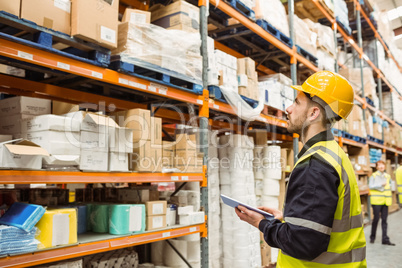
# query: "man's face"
{"points": [[381, 167], [297, 113]]}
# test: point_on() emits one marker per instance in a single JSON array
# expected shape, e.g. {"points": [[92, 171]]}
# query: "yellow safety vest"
{"points": [[382, 198], [398, 175], [347, 244]]}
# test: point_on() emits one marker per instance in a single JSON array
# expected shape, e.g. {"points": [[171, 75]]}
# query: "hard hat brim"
{"points": [[298, 88]]}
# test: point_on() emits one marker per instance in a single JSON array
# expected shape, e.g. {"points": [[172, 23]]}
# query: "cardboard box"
{"points": [[186, 142], [52, 14], [121, 140], [185, 210], [140, 160], [12, 7], [156, 131], [24, 105], [136, 16], [259, 136], [192, 218], [4, 138], [177, 13], [168, 153], [50, 122], [92, 122], [94, 161], [95, 21], [118, 162], [156, 208], [56, 142], [156, 158], [96, 142], [156, 222], [22, 155], [60, 160], [139, 120], [246, 66], [59, 107]]}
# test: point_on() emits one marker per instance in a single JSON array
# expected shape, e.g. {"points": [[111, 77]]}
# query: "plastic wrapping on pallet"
{"points": [[263, 10], [325, 36], [150, 46], [304, 37], [353, 75], [325, 60]]}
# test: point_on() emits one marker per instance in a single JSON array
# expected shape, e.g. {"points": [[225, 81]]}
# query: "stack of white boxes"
{"points": [[214, 221], [240, 241], [94, 136], [277, 91], [213, 74], [392, 105], [248, 3], [59, 135], [14, 110], [226, 66]]}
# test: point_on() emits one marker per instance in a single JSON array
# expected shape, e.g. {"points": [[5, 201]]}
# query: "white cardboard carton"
{"points": [[97, 142], [192, 218], [22, 155], [118, 162], [50, 122], [121, 140], [61, 160], [93, 122], [11, 124], [55, 142], [93, 161], [24, 105]]}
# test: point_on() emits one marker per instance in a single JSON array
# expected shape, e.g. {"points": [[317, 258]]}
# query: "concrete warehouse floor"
{"points": [[378, 255]]}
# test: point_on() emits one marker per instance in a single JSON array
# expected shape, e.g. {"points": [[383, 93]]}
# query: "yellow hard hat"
{"points": [[333, 89]]}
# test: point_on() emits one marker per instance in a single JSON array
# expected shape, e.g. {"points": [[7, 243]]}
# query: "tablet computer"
{"points": [[234, 203]]}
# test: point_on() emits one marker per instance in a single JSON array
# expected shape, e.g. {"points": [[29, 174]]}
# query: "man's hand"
{"points": [[276, 212], [249, 216]]}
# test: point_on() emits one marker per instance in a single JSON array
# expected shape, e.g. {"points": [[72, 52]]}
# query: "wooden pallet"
{"points": [[268, 110], [306, 9]]}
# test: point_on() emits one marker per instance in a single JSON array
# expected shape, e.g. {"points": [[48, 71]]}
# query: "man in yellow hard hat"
{"points": [[321, 224]]}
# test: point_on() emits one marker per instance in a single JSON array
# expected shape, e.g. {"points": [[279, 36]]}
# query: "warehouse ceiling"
{"points": [[394, 8]]}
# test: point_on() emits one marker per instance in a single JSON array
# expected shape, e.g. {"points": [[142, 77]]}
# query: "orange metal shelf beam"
{"points": [[57, 177], [38, 57], [261, 32], [349, 142], [52, 255]]}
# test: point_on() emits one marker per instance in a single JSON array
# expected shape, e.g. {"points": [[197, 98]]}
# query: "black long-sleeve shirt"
{"points": [[312, 195]]}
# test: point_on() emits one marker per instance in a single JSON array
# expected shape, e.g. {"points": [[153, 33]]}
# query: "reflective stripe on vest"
{"points": [[382, 198], [348, 221]]}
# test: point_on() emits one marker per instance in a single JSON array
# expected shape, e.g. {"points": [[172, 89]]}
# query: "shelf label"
{"points": [[216, 106], [64, 66], [152, 88], [98, 75], [25, 55], [163, 91], [123, 81], [193, 229], [200, 102], [184, 178], [174, 178], [137, 85], [167, 234]]}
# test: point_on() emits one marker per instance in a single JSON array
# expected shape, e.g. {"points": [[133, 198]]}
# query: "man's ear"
{"points": [[314, 113]]}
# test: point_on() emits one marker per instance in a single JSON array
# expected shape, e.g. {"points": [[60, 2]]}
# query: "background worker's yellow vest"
{"points": [[382, 198], [398, 175], [347, 244]]}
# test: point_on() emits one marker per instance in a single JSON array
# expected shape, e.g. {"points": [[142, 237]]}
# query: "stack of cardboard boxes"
{"points": [[156, 214], [90, 20], [356, 125], [247, 78], [187, 155], [226, 67], [146, 154]]}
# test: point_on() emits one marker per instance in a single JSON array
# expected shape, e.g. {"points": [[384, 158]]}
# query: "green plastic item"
{"points": [[89, 214], [126, 219], [100, 218]]}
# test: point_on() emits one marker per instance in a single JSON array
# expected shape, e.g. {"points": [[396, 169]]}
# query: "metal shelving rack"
{"points": [[119, 81]]}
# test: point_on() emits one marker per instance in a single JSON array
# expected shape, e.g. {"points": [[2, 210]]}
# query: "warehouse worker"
{"points": [[380, 199], [398, 175], [321, 225]]}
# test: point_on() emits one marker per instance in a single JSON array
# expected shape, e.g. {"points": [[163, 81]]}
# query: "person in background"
{"points": [[321, 224], [380, 199], [398, 175]]}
